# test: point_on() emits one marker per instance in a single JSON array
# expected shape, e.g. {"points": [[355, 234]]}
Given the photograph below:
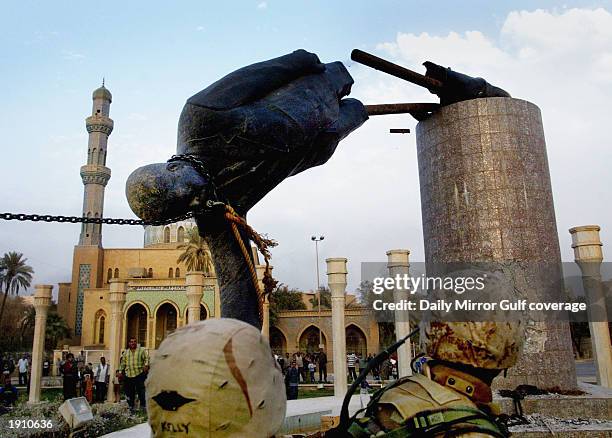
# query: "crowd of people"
{"points": [[82, 379], [85, 380], [301, 368], [11, 364]]}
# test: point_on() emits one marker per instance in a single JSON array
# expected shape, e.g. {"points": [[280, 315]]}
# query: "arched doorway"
{"points": [[137, 317], [203, 313], [309, 340], [356, 341], [278, 342], [165, 322]]}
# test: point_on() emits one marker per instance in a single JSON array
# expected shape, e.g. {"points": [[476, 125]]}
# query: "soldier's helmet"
{"points": [[215, 378]]}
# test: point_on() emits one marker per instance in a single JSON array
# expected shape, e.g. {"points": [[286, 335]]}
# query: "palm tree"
{"points": [[325, 299], [196, 254], [27, 323], [14, 275], [56, 330]]}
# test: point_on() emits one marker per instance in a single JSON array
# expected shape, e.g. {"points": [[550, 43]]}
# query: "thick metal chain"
{"points": [[198, 164], [195, 162], [88, 220]]}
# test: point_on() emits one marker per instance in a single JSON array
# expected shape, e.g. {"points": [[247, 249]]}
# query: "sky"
{"points": [[365, 200]]}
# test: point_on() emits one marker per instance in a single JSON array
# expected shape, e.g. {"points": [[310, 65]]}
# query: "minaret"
{"points": [[95, 174]]}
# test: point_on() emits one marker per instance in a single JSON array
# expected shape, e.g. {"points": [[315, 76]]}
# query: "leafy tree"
{"points": [[366, 295], [15, 274], [26, 327], [386, 334], [283, 298], [325, 299], [57, 329], [196, 254], [13, 337]]}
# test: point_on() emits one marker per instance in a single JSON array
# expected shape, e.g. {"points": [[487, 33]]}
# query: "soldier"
{"points": [[231, 388]]}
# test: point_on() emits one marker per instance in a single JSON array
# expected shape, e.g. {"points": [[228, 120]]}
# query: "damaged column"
{"points": [[265, 321], [486, 197], [336, 280], [588, 255], [195, 290], [398, 264], [42, 301], [117, 296]]}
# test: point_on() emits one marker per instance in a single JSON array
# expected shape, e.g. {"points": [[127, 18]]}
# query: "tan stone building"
{"points": [[156, 301]]}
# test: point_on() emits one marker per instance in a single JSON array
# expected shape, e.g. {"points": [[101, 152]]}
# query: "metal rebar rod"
{"points": [[395, 70], [400, 108]]}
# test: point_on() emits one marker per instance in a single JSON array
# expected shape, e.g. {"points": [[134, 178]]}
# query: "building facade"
{"points": [[156, 302]]}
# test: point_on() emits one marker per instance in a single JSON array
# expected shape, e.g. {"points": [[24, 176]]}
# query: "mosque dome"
{"points": [[102, 93]]}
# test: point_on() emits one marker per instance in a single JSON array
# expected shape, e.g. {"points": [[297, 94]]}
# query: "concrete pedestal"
{"points": [[398, 264], [486, 197], [195, 290], [588, 255], [118, 291], [336, 280], [42, 301]]}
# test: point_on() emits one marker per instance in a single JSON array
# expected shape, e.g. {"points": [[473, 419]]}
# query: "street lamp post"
{"points": [[316, 241]]}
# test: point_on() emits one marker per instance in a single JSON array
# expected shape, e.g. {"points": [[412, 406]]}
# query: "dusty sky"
{"points": [[365, 200]]}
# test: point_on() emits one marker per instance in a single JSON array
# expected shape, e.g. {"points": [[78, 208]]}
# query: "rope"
{"points": [[262, 244]]}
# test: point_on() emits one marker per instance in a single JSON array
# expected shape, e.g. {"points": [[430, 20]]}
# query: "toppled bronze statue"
{"points": [[241, 137], [237, 140]]}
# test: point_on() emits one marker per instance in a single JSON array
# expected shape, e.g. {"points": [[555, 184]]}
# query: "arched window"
{"points": [[170, 273], [109, 275], [180, 235], [116, 273], [167, 235], [101, 330], [150, 272], [99, 327], [177, 273]]}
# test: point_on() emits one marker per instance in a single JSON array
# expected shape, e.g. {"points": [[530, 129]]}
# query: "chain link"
{"points": [[88, 220], [198, 164]]}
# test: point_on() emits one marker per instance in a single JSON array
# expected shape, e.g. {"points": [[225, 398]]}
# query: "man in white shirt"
{"points": [[101, 380], [22, 364], [351, 359]]}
